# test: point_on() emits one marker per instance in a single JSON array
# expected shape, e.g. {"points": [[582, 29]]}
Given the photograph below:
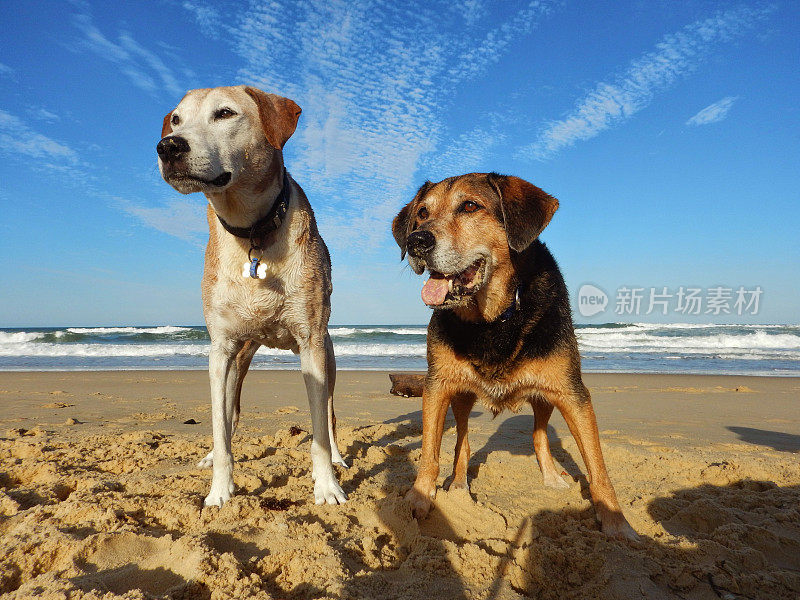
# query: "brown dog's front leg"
{"points": [[434, 409], [462, 406], [579, 415]]}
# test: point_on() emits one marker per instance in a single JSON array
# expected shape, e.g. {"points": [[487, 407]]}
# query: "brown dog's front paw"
{"points": [[614, 524], [458, 484], [553, 480], [420, 503]]}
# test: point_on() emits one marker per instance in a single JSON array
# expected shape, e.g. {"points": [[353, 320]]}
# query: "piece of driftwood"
{"points": [[408, 385]]}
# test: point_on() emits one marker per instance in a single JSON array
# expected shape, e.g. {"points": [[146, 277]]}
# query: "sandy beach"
{"points": [[100, 496]]}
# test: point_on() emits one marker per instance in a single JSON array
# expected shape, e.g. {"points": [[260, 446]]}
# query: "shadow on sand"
{"points": [[515, 436], [782, 442], [735, 541], [740, 540]]}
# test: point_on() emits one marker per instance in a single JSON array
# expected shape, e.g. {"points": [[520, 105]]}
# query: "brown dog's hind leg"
{"points": [[462, 406], [541, 445], [435, 400], [579, 415]]}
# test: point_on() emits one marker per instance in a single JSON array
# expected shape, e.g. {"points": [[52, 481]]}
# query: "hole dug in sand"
{"points": [[457, 517], [157, 566]]}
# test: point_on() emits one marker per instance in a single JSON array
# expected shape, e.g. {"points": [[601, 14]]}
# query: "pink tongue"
{"points": [[434, 291]]}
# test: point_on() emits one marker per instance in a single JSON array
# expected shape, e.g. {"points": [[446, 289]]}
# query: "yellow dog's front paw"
{"points": [[220, 493]]}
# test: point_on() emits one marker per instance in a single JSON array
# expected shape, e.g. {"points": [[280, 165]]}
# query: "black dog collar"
{"points": [[509, 312], [269, 222]]}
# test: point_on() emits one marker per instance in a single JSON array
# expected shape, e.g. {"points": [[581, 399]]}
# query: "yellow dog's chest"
{"points": [[252, 309]]}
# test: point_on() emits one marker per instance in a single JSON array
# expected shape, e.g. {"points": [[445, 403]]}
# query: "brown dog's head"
{"points": [[216, 138], [463, 230]]}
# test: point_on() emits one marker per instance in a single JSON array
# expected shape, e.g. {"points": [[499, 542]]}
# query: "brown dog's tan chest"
{"points": [[508, 388]]}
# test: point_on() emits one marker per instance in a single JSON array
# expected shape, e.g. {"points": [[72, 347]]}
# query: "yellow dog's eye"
{"points": [[422, 213], [224, 113], [469, 206], [175, 119]]}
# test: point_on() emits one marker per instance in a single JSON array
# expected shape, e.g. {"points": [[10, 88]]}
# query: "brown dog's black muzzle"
{"points": [[172, 148], [420, 243]]}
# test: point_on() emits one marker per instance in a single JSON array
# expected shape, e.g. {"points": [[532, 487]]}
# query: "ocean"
{"points": [[609, 348]]}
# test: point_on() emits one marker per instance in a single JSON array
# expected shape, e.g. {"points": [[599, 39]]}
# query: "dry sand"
{"points": [[100, 498]]}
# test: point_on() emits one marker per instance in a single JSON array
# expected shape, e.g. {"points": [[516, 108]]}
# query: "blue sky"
{"points": [[669, 131]]}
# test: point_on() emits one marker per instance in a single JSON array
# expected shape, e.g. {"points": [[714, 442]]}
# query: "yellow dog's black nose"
{"points": [[420, 243], [172, 147]]}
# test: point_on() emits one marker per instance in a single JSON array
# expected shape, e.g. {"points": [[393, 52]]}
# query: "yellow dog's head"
{"points": [[223, 137]]}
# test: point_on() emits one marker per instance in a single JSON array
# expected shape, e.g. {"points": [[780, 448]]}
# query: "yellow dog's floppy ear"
{"points": [[166, 128], [278, 116], [526, 209], [401, 224]]}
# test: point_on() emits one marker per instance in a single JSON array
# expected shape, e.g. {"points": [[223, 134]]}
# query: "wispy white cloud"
{"points": [[373, 78], [17, 138], [207, 17], [471, 10], [144, 68], [714, 112], [183, 218], [178, 217], [6, 71], [42, 114], [151, 60], [478, 56], [469, 151], [611, 103], [20, 141]]}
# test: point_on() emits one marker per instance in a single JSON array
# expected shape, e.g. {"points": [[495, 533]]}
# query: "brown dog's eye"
{"points": [[422, 213], [175, 119], [469, 206], [224, 113]]}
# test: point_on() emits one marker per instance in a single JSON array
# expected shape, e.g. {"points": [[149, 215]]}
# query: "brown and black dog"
{"points": [[501, 330]]}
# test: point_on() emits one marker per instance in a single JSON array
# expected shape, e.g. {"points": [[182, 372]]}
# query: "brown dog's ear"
{"points": [[166, 128], [278, 116], [400, 228], [401, 224], [526, 209]]}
